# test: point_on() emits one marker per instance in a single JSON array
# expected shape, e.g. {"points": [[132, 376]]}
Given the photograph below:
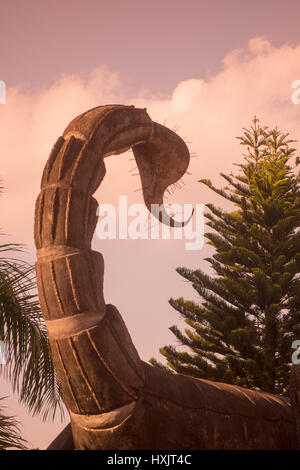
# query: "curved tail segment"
{"points": [[98, 367], [115, 400]]}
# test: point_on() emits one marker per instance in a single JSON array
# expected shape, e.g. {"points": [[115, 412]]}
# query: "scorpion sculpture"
{"points": [[114, 399]]}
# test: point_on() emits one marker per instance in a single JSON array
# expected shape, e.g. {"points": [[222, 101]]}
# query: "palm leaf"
{"points": [[22, 328], [9, 432]]}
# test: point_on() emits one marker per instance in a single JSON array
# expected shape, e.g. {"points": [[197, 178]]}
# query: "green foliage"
{"points": [[28, 362], [9, 432], [22, 328], [242, 330]]}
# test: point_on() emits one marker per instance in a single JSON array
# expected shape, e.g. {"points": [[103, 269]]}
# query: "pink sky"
{"points": [[207, 67]]}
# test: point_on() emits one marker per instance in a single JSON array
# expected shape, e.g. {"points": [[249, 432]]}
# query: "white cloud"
{"points": [[210, 113]]}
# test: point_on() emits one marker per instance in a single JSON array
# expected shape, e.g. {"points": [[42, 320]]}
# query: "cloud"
{"points": [[185, 95], [253, 81], [210, 112]]}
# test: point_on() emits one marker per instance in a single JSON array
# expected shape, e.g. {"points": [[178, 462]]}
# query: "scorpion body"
{"points": [[115, 400]]}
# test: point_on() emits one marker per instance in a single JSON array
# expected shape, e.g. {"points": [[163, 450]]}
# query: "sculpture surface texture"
{"points": [[115, 400]]}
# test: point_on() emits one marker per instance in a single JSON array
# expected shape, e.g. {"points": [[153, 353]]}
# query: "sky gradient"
{"points": [[207, 67]]}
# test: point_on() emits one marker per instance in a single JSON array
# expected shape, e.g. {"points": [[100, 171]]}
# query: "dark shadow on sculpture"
{"points": [[115, 400]]}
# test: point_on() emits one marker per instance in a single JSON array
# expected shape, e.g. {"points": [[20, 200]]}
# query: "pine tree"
{"points": [[242, 330]]}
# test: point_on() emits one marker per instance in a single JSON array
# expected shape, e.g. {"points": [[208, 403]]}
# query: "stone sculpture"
{"points": [[115, 400]]}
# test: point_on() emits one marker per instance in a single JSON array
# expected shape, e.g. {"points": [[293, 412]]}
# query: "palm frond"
{"points": [[22, 328], [10, 436]]}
